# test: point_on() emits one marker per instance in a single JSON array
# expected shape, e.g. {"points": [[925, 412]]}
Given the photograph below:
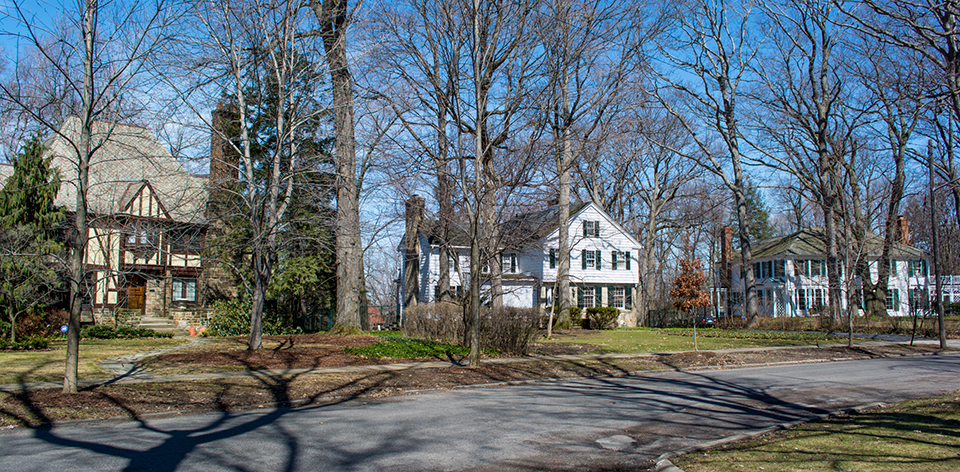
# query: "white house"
{"points": [[603, 260], [791, 275]]}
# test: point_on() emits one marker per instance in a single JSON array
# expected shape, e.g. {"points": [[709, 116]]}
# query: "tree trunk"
{"points": [[566, 160], [80, 215], [332, 16]]}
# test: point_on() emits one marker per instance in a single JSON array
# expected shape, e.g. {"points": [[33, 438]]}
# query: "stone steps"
{"points": [[159, 323]]}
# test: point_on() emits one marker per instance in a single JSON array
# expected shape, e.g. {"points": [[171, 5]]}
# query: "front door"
{"points": [[136, 298]]}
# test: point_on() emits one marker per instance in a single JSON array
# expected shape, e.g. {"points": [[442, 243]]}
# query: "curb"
{"points": [[663, 464]]}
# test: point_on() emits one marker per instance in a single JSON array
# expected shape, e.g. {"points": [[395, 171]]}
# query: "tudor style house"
{"points": [[146, 221], [603, 260], [791, 274]]}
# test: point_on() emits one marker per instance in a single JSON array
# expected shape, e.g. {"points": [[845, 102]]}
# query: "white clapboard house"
{"points": [[603, 261], [791, 274]]}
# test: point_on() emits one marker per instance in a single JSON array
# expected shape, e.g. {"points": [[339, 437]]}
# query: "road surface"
{"points": [[582, 424]]}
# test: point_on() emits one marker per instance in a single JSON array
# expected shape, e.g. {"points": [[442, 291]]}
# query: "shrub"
{"points": [[28, 343], [232, 318], [602, 317], [438, 321], [399, 347], [509, 329], [575, 318], [122, 332], [505, 329]]}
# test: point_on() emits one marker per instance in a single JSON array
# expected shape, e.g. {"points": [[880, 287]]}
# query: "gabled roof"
{"points": [[531, 227], [127, 157], [811, 242]]}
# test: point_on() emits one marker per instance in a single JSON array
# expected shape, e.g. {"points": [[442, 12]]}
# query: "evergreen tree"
{"points": [[758, 217], [28, 235]]}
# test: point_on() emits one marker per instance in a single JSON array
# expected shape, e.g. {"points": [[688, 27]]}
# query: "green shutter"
{"points": [[585, 230], [580, 297], [627, 255], [598, 296], [613, 260], [583, 259], [599, 259], [553, 258], [628, 297], [596, 228]]}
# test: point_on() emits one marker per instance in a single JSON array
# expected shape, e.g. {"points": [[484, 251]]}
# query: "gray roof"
{"points": [[127, 157], [516, 232], [811, 242]]}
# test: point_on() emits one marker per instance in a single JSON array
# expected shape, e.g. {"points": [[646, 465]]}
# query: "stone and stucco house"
{"points": [[147, 224]]}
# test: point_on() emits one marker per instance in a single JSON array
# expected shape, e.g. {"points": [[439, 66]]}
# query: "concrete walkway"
{"points": [[126, 369]]}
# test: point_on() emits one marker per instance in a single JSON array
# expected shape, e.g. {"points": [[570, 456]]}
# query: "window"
{"points": [[619, 259], [801, 299], [185, 289], [617, 296], [779, 268], [141, 233], [591, 259], [588, 297], [818, 298], [893, 299], [818, 267], [553, 258], [591, 229], [918, 268], [184, 241], [509, 263]]}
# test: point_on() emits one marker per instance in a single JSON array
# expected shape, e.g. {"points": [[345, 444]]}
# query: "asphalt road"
{"points": [[584, 424]]}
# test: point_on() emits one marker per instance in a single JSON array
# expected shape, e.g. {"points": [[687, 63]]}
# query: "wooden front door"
{"points": [[136, 298]]}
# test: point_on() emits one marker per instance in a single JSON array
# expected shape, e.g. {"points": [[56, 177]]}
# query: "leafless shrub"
{"points": [[508, 330]]}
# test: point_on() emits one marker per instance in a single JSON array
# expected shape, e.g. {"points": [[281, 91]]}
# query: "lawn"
{"points": [[662, 340], [47, 365], [913, 435]]}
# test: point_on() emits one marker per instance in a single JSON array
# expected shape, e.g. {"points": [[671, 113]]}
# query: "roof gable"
{"points": [[125, 157]]}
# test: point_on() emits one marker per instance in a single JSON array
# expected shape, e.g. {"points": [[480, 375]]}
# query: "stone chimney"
{"points": [[903, 230], [411, 257], [224, 162], [726, 250]]}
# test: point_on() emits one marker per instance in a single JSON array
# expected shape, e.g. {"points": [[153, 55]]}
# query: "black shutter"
{"points": [[580, 297], [613, 260], [553, 258], [585, 229], [628, 297], [599, 260], [627, 255], [583, 259], [598, 296]]}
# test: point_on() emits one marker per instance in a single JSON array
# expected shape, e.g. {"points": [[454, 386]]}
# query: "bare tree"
{"points": [[713, 43], [113, 42], [334, 18]]}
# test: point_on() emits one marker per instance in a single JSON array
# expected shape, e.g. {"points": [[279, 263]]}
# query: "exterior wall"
{"points": [[531, 284], [781, 293]]}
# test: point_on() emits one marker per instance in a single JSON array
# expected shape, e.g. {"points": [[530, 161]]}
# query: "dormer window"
{"points": [[591, 229]]}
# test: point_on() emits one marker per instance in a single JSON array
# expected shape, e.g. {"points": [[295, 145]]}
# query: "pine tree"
{"points": [[29, 223]]}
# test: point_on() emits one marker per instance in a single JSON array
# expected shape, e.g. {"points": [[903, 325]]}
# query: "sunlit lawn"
{"points": [[660, 340], [32, 366], [910, 436]]}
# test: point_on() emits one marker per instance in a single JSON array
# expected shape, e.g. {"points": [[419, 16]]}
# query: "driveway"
{"points": [[583, 424]]}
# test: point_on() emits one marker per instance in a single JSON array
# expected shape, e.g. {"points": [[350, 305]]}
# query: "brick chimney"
{"points": [[726, 250], [903, 230], [411, 257]]}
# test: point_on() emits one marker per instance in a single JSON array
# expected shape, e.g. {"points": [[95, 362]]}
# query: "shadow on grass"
{"points": [[171, 445]]}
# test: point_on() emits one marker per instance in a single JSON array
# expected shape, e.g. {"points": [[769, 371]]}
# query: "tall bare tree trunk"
{"points": [[333, 18], [80, 216]]}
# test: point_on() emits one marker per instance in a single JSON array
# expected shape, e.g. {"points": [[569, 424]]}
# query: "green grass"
{"points": [[399, 347], [661, 340], [909, 436], [32, 366]]}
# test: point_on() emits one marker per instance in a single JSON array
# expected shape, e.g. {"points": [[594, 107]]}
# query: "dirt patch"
{"points": [[134, 400]]}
